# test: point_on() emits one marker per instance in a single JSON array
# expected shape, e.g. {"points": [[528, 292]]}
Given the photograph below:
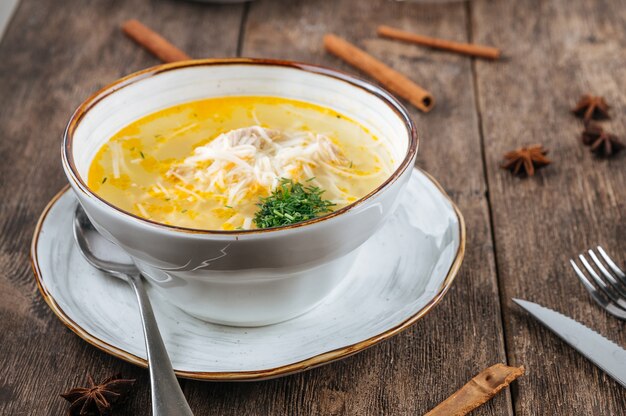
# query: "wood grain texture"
{"points": [[54, 54], [413, 372], [557, 51]]}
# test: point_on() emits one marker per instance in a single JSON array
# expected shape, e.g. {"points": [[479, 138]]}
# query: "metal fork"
{"points": [[610, 292]]}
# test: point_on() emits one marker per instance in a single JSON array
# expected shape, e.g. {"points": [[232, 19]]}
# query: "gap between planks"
{"points": [[242, 28], [481, 134]]}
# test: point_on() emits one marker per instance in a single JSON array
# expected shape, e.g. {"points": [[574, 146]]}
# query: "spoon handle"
{"points": [[167, 396]]}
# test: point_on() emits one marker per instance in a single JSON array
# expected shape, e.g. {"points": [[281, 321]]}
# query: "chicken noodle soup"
{"points": [[206, 164]]}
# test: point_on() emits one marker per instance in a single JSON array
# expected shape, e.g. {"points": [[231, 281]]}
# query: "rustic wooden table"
{"points": [[520, 232]]}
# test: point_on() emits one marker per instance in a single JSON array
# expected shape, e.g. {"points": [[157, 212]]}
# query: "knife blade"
{"points": [[607, 355]]}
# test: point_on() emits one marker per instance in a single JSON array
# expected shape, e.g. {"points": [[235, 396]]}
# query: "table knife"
{"points": [[604, 353]]}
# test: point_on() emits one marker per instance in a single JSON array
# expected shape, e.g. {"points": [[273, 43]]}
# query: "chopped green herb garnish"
{"points": [[228, 206], [311, 179], [104, 179], [350, 164], [142, 156], [183, 211], [291, 202]]}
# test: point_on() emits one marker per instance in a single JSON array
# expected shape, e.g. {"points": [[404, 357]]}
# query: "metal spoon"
{"points": [[167, 397]]}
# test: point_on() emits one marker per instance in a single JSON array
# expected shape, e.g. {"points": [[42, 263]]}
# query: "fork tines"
{"points": [[608, 287]]}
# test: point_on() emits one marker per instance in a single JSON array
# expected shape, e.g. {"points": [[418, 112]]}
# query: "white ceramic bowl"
{"points": [[242, 278]]}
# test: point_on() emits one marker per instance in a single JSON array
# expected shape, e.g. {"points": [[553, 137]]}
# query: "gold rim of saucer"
{"points": [[309, 363]]}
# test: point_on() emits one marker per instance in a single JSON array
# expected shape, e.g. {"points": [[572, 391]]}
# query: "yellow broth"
{"points": [[133, 170]]}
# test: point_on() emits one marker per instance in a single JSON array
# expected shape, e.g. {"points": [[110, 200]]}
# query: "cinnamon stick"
{"points": [[393, 80], [471, 49], [153, 42], [477, 391]]}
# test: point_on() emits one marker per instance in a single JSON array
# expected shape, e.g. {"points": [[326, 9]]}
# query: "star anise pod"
{"points": [[525, 160], [602, 143], [591, 107], [97, 399]]}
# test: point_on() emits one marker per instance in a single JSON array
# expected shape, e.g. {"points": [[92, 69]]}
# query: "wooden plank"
{"points": [[52, 58], [557, 51], [419, 368]]}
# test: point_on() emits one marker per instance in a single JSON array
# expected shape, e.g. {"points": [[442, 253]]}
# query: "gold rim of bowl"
{"points": [[384, 96]]}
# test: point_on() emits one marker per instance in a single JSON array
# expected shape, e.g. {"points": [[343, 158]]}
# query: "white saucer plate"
{"points": [[399, 275]]}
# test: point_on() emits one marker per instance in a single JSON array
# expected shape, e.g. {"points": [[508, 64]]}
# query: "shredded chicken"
{"points": [[244, 161]]}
